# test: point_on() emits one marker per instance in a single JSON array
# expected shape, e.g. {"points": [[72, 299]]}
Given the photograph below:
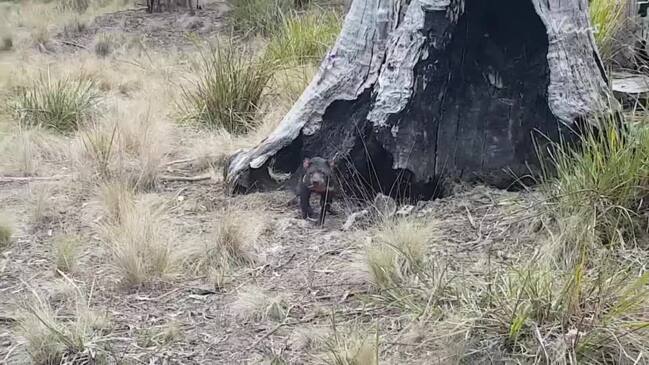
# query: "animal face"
{"points": [[317, 172]]}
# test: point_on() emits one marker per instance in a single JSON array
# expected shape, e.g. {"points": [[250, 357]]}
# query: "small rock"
{"points": [[405, 210], [426, 207], [304, 223], [354, 218], [385, 205]]}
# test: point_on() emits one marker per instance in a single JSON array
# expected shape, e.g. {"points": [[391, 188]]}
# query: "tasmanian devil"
{"points": [[318, 178]]}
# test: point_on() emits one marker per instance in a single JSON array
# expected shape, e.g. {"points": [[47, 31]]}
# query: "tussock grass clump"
{"points": [[232, 245], [560, 317], [352, 347], [582, 298], [253, 303], [601, 183], [66, 253], [141, 243], [76, 6], [116, 198], [305, 38], [229, 88], [398, 252], [62, 105], [54, 339], [74, 26], [27, 151], [144, 145], [235, 239], [6, 231], [259, 16], [103, 45], [160, 336], [40, 329], [100, 148], [130, 148], [42, 204], [608, 18], [403, 272], [40, 35]]}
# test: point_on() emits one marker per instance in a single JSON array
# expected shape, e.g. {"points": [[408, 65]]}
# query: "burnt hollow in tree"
{"points": [[478, 107], [477, 103]]}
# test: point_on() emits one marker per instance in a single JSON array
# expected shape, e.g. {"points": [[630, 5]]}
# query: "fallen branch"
{"points": [[8, 179], [186, 178], [7, 319], [176, 162], [73, 44], [265, 336]]}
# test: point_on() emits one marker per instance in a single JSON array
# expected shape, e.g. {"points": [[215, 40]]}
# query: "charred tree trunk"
{"points": [[420, 91]]}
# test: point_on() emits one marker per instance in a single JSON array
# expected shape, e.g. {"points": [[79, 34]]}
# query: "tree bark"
{"points": [[416, 93]]}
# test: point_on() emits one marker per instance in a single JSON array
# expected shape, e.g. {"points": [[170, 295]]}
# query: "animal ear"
{"points": [[332, 163], [306, 163]]}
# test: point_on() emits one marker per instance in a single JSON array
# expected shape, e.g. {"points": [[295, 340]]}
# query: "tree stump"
{"points": [[419, 92]]}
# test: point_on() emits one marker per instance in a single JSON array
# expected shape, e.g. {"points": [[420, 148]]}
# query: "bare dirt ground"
{"points": [[160, 30], [314, 270]]}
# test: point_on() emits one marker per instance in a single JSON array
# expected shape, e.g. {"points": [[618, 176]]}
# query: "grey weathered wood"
{"points": [[349, 68], [631, 84], [405, 85]]}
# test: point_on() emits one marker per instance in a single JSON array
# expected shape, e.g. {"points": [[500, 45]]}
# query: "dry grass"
{"points": [[289, 84], [42, 204], [39, 328], [164, 335], [66, 252], [351, 347], [144, 146], [399, 251], [41, 36], [116, 198], [76, 6], [235, 237], [103, 45], [51, 339], [254, 303], [74, 26], [40, 17], [32, 151], [259, 16], [232, 245], [141, 242], [129, 147], [6, 231], [210, 149], [98, 151], [581, 298]]}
